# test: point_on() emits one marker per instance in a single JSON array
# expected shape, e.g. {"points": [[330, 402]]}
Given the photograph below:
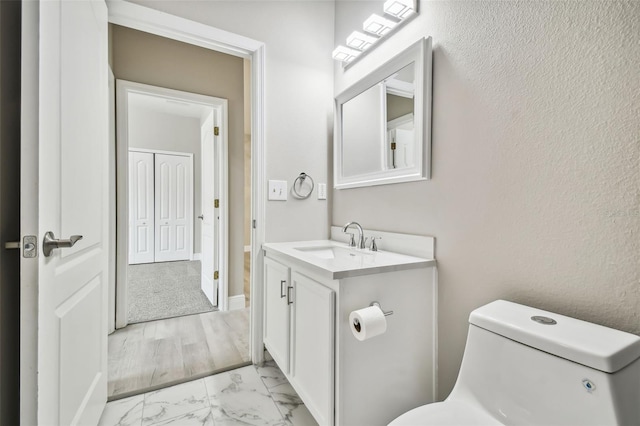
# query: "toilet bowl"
{"points": [[525, 366]]}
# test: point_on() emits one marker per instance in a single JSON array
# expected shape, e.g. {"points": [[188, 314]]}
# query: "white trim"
{"points": [[123, 89], [176, 28], [196, 256], [236, 302]]}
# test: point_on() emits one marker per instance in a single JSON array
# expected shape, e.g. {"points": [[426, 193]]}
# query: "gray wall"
{"points": [[156, 130], [10, 211], [154, 60], [535, 192]]}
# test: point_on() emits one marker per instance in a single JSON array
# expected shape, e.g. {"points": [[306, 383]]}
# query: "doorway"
{"points": [[173, 154]]}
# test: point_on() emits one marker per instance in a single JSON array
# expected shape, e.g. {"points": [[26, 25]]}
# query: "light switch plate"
{"points": [[322, 191], [278, 190]]}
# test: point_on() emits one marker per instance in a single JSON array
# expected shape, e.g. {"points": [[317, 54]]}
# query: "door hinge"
{"points": [[216, 131], [216, 274], [216, 203]]}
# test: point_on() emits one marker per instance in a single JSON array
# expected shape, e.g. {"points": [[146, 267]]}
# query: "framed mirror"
{"points": [[383, 123]]}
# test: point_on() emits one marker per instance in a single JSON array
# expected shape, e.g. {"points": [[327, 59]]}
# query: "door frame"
{"points": [[219, 107], [155, 22]]}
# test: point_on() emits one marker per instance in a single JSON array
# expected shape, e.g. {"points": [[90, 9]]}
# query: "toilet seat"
{"points": [[448, 413]]}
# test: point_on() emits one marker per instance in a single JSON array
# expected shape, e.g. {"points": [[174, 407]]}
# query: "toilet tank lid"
{"points": [[593, 345]]}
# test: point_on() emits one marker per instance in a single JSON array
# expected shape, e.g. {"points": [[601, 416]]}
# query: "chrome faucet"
{"points": [[352, 242]]}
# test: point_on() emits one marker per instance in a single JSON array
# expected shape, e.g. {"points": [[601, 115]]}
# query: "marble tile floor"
{"points": [[252, 395]]}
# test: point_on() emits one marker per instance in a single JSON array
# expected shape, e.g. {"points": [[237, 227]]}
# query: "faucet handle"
{"points": [[374, 246], [352, 240]]}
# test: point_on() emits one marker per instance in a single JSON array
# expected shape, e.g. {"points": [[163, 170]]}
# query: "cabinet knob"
{"points": [[282, 283]]}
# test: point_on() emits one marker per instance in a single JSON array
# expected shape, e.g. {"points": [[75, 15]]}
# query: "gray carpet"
{"points": [[165, 290]]}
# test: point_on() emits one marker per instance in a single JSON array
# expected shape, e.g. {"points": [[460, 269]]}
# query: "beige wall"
{"points": [[149, 59], [535, 192]]}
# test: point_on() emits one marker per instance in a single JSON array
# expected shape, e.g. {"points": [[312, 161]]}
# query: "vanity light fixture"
{"points": [[376, 24], [376, 27], [344, 54], [361, 41], [400, 9]]}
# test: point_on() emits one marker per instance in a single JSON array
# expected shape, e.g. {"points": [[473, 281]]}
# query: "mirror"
{"points": [[383, 123]]}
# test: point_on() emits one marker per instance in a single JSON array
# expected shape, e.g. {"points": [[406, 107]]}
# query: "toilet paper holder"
{"points": [[377, 305]]}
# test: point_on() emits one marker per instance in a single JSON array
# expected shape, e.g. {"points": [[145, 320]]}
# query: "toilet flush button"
{"points": [[543, 320], [589, 385]]}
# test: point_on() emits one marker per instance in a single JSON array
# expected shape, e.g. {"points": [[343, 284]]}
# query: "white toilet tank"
{"points": [[549, 370]]}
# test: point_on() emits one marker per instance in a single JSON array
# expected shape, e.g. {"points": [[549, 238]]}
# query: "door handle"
{"points": [[50, 243], [201, 217], [282, 283]]}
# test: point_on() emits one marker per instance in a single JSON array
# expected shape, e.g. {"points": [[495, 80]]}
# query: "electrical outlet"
{"points": [[322, 191], [278, 190]]}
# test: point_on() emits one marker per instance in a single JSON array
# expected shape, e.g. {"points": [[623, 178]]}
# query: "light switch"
{"points": [[322, 191], [278, 190]]}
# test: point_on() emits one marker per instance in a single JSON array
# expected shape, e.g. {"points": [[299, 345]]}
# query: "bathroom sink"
{"points": [[336, 260], [333, 252]]}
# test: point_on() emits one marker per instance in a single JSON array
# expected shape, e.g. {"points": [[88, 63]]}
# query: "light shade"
{"points": [[376, 24], [361, 41], [344, 54], [400, 9]]}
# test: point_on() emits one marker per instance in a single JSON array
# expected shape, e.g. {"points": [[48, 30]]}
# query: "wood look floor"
{"points": [[247, 279], [155, 354]]}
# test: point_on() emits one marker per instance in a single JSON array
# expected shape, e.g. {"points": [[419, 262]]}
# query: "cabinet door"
{"points": [[312, 340], [276, 312]]}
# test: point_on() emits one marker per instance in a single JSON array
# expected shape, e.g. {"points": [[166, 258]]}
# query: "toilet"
{"points": [[525, 366]]}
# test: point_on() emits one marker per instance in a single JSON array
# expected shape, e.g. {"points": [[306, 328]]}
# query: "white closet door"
{"points": [[173, 207], [141, 205]]}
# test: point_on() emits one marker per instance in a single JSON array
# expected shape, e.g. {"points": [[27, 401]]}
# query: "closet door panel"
{"points": [[174, 207], [141, 206]]}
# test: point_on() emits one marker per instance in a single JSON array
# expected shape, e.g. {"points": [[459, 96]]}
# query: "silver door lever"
{"points": [[50, 243]]}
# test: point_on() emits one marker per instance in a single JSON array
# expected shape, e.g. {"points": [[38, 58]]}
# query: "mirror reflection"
{"points": [[378, 126]]}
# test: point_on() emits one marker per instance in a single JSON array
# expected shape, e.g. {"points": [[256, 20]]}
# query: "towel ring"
{"points": [[299, 182]]}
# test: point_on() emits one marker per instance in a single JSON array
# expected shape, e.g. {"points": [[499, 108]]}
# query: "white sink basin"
{"points": [[337, 260], [332, 252]]}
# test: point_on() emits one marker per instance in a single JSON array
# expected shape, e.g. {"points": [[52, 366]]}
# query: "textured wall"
{"points": [[535, 190]]}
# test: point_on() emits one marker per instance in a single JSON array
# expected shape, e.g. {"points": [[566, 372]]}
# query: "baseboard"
{"points": [[197, 256], [236, 302]]}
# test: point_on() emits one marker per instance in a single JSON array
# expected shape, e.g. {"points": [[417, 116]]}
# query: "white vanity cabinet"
{"points": [[344, 381], [299, 335]]}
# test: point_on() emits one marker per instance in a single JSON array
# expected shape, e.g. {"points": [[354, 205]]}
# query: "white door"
{"points": [[141, 205], [173, 207], [208, 216], [65, 138]]}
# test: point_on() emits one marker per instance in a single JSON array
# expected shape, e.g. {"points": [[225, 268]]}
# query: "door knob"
{"points": [[50, 243], [201, 217]]}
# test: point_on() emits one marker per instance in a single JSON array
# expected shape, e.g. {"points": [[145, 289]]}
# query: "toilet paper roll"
{"points": [[367, 322]]}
